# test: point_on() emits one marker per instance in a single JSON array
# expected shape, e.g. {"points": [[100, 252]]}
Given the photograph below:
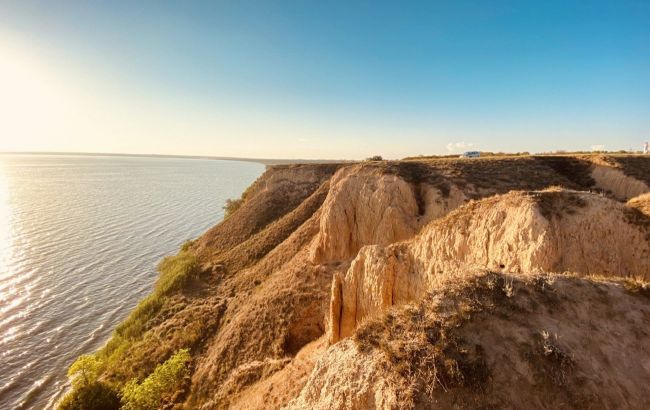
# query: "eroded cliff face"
{"points": [[362, 208], [519, 232], [316, 253], [494, 341], [622, 186]]}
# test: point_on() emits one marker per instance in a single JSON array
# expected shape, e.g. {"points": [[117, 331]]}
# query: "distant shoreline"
{"points": [[263, 161]]}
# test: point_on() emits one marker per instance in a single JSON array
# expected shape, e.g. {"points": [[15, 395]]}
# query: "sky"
{"points": [[323, 80]]}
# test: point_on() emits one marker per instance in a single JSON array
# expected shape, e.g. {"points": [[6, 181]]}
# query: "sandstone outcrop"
{"points": [[519, 232], [363, 208], [366, 207]]}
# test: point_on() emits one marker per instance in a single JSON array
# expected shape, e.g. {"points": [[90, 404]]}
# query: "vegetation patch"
{"points": [[642, 203], [421, 345], [636, 166], [554, 203], [576, 170], [96, 396], [635, 216], [87, 391], [90, 392], [158, 387], [113, 360], [175, 272], [637, 287], [232, 205], [551, 362]]}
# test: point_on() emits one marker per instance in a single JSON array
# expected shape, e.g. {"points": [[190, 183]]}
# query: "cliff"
{"points": [[493, 282]]}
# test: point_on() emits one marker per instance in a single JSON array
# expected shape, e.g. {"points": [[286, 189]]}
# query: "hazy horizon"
{"points": [[323, 81]]}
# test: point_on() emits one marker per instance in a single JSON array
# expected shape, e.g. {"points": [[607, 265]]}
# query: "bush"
{"points": [[93, 396], [84, 371], [231, 206], [175, 272], [375, 158], [87, 392], [162, 382], [187, 245]]}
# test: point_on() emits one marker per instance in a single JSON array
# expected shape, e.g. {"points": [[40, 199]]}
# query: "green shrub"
{"points": [[187, 245], [175, 272], [231, 206], [159, 384], [84, 371], [111, 361], [87, 392], [93, 396]]}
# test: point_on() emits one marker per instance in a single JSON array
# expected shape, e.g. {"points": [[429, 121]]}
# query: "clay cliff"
{"points": [[515, 282]]}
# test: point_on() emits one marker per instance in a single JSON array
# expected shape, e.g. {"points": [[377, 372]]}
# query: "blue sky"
{"points": [[325, 80]]}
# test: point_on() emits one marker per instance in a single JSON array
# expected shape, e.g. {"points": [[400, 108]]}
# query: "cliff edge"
{"points": [[436, 283]]}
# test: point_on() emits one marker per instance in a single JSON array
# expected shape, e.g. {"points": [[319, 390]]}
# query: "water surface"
{"points": [[80, 237]]}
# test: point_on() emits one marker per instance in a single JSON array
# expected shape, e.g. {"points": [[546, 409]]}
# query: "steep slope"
{"points": [[623, 177], [495, 341]]}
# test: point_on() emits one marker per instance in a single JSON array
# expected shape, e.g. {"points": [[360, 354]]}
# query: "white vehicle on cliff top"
{"points": [[470, 154]]}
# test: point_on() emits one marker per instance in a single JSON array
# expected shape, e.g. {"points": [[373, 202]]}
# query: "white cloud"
{"points": [[459, 146], [599, 147]]}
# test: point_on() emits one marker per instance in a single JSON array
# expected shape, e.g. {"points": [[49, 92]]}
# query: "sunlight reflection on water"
{"points": [[79, 241]]}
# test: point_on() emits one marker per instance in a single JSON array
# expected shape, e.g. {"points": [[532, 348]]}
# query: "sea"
{"points": [[80, 238]]}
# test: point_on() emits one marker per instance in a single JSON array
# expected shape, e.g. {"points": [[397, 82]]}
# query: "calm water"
{"points": [[79, 241]]}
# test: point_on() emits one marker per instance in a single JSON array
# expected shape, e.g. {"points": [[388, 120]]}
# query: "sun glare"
{"points": [[31, 103]]}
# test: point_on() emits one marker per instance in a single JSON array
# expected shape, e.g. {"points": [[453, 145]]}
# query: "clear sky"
{"points": [[305, 79]]}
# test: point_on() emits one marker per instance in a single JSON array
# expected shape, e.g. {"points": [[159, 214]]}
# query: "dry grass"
{"points": [[576, 170], [425, 354], [636, 166], [262, 206], [421, 344], [552, 364], [634, 216], [637, 287], [261, 243], [501, 175], [554, 203]]}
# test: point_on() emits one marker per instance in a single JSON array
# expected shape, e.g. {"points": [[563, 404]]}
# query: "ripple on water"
{"points": [[83, 238]]}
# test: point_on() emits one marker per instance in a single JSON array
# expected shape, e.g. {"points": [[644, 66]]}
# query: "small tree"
{"points": [[375, 158], [87, 391], [148, 394], [84, 371], [231, 206]]}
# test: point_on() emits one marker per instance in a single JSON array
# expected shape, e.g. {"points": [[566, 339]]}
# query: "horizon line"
{"points": [[263, 161]]}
